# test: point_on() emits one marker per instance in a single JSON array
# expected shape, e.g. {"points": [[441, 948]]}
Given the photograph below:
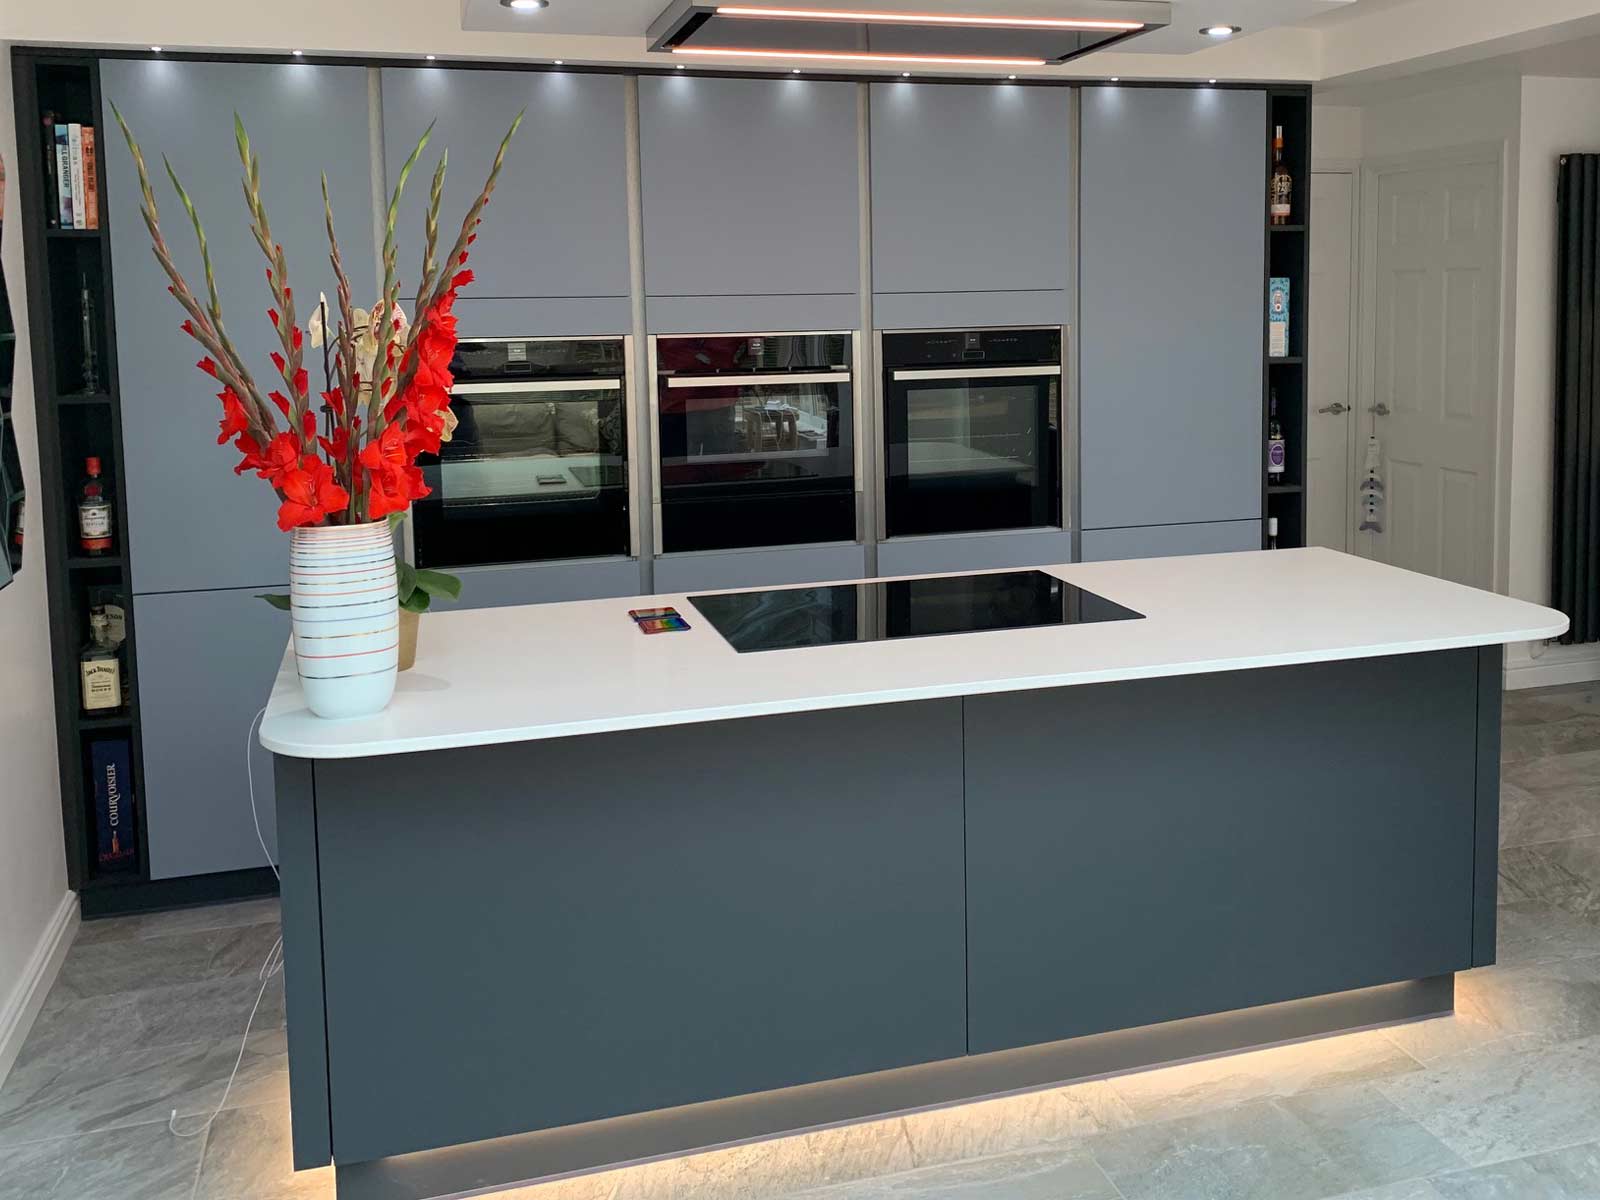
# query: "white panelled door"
{"points": [[1330, 463], [1434, 365]]}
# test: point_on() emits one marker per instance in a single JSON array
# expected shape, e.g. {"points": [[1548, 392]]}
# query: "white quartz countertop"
{"points": [[486, 676]]}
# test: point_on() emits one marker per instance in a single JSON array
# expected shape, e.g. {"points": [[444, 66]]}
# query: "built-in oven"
{"points": [[973, 431], [538, 467], [755, 440]]}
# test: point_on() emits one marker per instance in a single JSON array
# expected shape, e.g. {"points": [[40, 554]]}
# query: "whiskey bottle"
{"points": [[100, 668], [1281, 191], [94, 511], [1277, 447]]}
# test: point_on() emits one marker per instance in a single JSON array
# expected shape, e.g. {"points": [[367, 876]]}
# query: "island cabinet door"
{"points": [[192, 524], [751, 204], [1172, 299], [1146, 851], [532, 935], [557, 227]]}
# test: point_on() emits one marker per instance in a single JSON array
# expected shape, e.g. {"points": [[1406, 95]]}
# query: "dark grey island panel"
{"points": [[1146, 851], [537, 934]]}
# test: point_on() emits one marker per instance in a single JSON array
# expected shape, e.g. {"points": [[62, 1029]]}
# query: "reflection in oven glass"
{"points": [[534, 449], [974, 431]]}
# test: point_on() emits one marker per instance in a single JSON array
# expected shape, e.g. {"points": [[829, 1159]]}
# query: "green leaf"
{"points": [[278, 602], [396, 519], [417, 602], [406, 577], [437, 583]]}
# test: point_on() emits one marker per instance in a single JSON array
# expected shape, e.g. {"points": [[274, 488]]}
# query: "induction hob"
{"points": [[790, 618]]}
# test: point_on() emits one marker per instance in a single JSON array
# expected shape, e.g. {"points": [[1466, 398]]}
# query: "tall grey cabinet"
{"points": [[202, 541], [551, 258], [1172, 319], [751, 199]]}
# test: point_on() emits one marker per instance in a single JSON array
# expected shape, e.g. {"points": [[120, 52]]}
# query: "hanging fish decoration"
{"points": [[1372, 489]]}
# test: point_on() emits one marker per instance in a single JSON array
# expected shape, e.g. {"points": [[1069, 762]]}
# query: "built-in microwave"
{"points": [[973, 429], [755, 440], [538, 467]]}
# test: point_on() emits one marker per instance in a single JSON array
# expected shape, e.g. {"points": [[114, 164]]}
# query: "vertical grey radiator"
{"points": [[1575, 561]]}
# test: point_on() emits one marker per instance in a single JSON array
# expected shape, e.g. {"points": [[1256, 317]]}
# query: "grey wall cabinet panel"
{"points": [[969, 310], [182, 493], [750, 186], [558, 224], [1166, 541], [537, 316], [545, 583], [971, 188], [676, 915], [1247, 892], [1172, 305], [980, 552], [751, 314], [206, 663], [758, 568]]}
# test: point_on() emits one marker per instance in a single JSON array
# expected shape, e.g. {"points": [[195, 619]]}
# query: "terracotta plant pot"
{"points": [[410, 623]]}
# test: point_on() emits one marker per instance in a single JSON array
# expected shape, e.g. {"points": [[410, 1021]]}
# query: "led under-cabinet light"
{"points": [[920, 18], [946, 60]]}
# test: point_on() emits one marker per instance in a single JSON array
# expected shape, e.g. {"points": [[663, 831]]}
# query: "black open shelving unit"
{"points": [[1288, 256], [74, 423]]}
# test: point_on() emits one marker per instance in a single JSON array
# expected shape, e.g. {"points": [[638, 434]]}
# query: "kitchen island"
{"points": [[583, 896]]}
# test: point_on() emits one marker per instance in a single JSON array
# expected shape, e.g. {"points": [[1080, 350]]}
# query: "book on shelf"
{"points": [[64, 176], [75, 152], [91, 180], [52, 197]]}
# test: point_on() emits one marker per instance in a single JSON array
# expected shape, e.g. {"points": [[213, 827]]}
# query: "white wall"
{"points": [[1335, 134], [33, 883], [1557, 115]]}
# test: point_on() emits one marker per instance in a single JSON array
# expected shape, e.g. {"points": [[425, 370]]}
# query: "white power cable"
{"points": [[269, 968]]}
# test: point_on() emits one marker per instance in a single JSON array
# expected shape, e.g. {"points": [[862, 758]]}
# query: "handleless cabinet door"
{"points": [[971, 188], [558, 224], [206, 663], [750, 188], [192, 523], [1172, 304], [1167, 541]]}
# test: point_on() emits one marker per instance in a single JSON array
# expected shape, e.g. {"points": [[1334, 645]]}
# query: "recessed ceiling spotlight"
{"points": [[797, 70], [680, 66], [431, 57], [1010, 76], [856, 16], [905, 74], [1116, 79], [155, 49], [561, 62], [524, 5], [1220, 31], [1211, 81], [298, 53]]}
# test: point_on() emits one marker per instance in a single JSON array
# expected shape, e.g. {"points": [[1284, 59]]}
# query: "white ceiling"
{"points": [[631, 18]]}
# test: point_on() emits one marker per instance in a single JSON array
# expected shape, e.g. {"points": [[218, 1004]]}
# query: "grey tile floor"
{"points": [[1499, 1102]]}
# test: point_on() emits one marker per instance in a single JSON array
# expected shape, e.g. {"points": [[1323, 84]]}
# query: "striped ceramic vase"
{"points": [[345, 617]]}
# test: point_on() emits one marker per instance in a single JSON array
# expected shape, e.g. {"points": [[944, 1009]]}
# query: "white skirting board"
{"points": [[1546, 664], [19, 1009]]}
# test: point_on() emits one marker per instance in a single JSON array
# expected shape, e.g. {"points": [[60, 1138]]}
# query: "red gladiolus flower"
{"points": [[280, 400], [335, 401], [234, 419], [252, 452], [273, 314], [208, 365], [277, 361], [302, 382], [337, 447], [310, 493], [281, 456]]}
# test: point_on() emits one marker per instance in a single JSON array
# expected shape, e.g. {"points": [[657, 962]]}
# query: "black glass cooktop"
{"points": [[902, 608]]}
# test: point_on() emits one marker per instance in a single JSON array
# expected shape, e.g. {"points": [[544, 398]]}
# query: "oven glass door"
{"points": [[536, 470], [970, 449], [755, 460]]}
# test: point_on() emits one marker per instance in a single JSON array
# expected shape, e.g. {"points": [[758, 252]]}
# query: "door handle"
{"points": [[1336, 408], [1380, 409]]}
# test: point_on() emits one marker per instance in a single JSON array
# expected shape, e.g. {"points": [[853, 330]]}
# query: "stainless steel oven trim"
{"points": [[880, 468], [974, 373], [599, 383], [630, 400], [653, 413], [833, 376], [579, 337], [857, 429]]}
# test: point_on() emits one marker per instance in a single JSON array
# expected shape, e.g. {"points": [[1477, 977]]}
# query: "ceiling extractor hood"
{"points": [[1022, 33]]}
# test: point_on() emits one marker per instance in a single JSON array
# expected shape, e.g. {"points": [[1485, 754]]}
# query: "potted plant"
{"points": [[341, 478]]}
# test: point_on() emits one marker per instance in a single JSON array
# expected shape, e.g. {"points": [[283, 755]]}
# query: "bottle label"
{"points": [[1277, 456], [102, 684], [94, 526]]}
